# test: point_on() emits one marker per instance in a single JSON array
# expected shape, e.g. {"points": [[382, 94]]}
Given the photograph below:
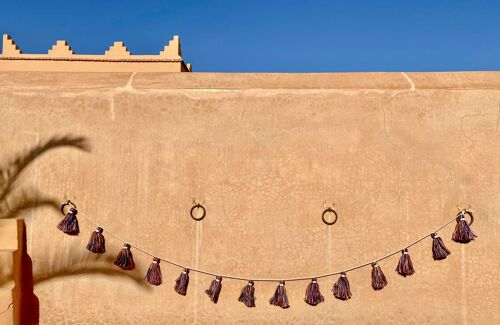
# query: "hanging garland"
{"points": [[341, 289]]}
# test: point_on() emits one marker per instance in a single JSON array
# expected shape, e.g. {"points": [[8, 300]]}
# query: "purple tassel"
{"points": [[439, 250], [280, 299], [247, 295], [313, 295], [341, 289], [154, 272], [463, 233], [181, 284], [213, 291], [378, 278], [69, 224], [96, 242], [125, 260], [405, 266]]}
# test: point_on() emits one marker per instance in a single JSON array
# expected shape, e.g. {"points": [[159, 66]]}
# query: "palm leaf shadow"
{"points": [[11, 203], [14, 200], [87, 263]]}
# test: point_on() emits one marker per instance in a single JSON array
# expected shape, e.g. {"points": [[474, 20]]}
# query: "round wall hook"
{"points": [[329, 210], [71, 204], [466, 212], [196, 207]]}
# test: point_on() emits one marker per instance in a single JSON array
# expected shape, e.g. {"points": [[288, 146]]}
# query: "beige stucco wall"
{"points": [[90, 66], [396, 152]]}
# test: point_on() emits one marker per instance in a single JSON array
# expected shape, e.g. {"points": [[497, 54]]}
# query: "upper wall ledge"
{"points": [[376, 81], [117, 53]]}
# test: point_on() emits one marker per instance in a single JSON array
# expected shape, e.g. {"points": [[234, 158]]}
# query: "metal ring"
{"points": [[198, 206], [66, 204], [327, 210], [463, 213]]}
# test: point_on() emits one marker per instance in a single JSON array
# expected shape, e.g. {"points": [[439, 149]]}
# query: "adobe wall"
{"points": [[118, 58], [396, 152]]}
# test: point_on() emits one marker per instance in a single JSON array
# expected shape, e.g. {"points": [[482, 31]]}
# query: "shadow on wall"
{"points": [[80, 261], [14, 201], [26, 304]]}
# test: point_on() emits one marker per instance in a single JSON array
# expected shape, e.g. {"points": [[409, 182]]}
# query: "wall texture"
{"points": [[396, 152]]}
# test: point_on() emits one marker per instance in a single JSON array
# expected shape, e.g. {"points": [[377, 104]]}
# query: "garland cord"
{"points": [[234, 277]]}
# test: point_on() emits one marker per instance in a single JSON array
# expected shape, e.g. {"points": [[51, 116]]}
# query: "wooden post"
{"points": [[25, 303]]}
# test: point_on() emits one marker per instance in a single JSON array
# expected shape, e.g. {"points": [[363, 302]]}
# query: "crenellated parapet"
{"points": [[173, 49], [61, 49], [9, 47], [117, 50], [117, 58]]}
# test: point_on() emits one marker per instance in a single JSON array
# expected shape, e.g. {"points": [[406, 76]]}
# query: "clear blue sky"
{"points": [[273, 36]]}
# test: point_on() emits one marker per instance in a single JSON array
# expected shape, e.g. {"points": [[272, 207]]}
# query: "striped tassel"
{"points": [[124, 259], [313, 295], [439, 250], [279, 298], [154, 273], [247, 295], [97, 244], [405, 266], [378, 278], [341, 289], [181, 284], [213, 291], [69, 224]]}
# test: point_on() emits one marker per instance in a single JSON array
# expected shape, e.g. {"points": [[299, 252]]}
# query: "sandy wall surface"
{"points": [[396, 152]]}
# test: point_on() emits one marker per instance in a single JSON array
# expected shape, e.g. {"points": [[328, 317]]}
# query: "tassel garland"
{"points": [[378, 278], [247, 295], [313, 295], [405, 266], [154, 272], [69, 224], [214, 290], [96, 242], [125, 260], [463, 233], [181, 284], [280, 299], [439, 250], [341, 289]]}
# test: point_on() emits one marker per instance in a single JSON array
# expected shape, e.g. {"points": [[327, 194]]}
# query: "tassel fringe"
{"points": [[463, 233], [341, 289], [154, 273], [313, 295], [213, 291], [125, 260], [378, 278], [181, 284], [439, 250], [247, 295], [97, 244], [69, 224], [280, 299], [405, 266]]}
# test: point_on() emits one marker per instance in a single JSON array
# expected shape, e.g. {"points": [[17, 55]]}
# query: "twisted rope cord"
{"points": [[235, 277]]}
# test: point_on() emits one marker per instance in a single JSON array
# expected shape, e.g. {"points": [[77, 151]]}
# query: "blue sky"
{"points": [[273, 36]]}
